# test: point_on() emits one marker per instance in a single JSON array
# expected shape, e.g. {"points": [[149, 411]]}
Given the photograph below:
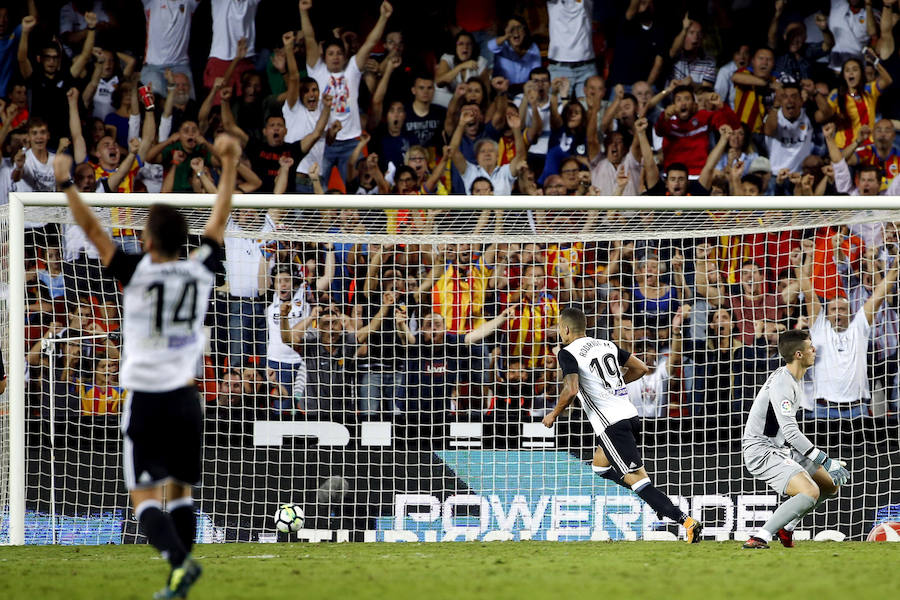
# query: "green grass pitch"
{"points": [[463, 570]]}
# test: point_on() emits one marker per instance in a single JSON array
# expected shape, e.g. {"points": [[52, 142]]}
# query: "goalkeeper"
{"points": [[777, 452]]}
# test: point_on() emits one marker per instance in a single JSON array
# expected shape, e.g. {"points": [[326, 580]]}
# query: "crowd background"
{"points": [[567, 97]]}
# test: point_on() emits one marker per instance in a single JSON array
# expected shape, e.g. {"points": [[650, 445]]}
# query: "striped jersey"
{"points": [[601, 380], [889, 165], [528, 330], [750, 102], [459, 295], [860, 110]]}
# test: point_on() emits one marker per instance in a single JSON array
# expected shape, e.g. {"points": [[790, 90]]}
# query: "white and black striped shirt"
{"points": [[601, 382]]}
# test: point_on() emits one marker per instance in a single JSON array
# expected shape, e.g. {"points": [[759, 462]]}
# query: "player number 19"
{"points": [[608, 372]]}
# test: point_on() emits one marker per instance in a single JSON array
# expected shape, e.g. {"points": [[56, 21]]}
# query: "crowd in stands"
{"points": [[561, 98]]}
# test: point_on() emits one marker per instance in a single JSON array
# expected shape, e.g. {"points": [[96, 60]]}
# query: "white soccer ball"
{"points": [[289, 518]]}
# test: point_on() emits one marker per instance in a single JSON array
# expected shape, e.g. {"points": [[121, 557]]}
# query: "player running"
{"points": [[597, 371], [165, 300], [775, 450]]}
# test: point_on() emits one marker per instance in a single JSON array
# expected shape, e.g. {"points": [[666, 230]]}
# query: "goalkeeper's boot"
{"points": [[180, 580], [692, 529], [785, 537], [755, 543]]}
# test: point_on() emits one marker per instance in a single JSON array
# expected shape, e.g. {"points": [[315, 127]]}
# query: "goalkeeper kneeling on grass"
{"points": [[777, 452]]}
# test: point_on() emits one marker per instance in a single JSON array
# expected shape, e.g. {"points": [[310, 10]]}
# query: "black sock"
{"points": [[658, 501], [160, 531], [610, 473], [185, 520]]}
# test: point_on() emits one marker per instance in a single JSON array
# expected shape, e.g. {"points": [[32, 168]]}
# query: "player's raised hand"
{"points": [[62, 167], [227, 146]]}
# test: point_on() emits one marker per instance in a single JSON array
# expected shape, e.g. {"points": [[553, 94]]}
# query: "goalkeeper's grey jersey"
{"points": [[772, 417]]}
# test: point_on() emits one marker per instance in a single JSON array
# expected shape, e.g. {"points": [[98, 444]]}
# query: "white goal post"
{"points": [[669, 218]]}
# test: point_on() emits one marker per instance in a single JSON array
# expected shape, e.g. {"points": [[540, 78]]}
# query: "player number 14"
{"points": [[185, 309]]}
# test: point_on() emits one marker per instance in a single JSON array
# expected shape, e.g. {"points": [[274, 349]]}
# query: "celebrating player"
{"points": [[775, 450], [597, 371], [164, 306]]}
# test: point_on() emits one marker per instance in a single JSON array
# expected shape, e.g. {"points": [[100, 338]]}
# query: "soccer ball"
{"points": [[289, 518], [886, 532]]}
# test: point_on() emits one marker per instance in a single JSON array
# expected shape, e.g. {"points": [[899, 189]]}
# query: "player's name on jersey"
{"points": [[382, 434]]}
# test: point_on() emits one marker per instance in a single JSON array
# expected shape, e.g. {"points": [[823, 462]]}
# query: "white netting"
{"points": [[406, 402]]}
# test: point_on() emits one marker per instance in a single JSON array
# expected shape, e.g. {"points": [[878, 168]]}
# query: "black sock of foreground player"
{"points": [[185, 520], [657, 500], [610, 473], [160, 531]]}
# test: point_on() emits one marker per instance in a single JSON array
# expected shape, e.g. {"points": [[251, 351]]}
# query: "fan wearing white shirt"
{"points": [[232, 21], [305, 117], [502, 178], [340, 79], [840, 387], [168, 33]]}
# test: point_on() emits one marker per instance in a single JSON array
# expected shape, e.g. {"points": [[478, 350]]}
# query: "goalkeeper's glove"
{"points": [[836, 470]]}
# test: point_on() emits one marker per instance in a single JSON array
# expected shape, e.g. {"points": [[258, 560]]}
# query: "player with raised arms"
{"points": [[165, 299], [777, 452], [597, 371]]}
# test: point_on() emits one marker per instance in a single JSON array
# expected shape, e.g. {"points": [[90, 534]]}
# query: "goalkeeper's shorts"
{"points": [[776, 465]]}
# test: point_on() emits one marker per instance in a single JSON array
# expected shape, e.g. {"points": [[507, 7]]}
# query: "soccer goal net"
{"points": [[386, 365]]}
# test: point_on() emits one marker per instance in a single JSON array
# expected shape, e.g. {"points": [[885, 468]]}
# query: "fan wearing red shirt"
{"points": [[685, 130]]}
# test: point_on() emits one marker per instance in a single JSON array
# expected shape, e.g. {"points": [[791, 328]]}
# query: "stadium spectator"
{"points": [[328, 351], [853, 102], [424, 119], [650, 394], [288, 303], [684, 129], [852, 25], [50, 82], [515, 54], [486, 155], [691, 64], [9, 43], [639, 44], [724, 86], [839, 386], [794, 56], [677, 182], [571, 51], [753, 303], [340, 79], [456, 69], [233, 21], [168, 34], [788, 129]]}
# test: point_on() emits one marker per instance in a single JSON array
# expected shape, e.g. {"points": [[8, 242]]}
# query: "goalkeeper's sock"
{"points": [[160, 531], [793, 524], [185, 520], [610, 473], [791, 509], [658, 501]]}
